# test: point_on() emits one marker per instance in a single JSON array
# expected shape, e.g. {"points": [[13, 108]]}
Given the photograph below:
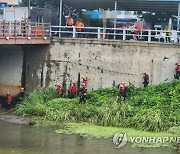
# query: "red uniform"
{"points": [[178, 68], [59, 90], [74, 89], [84, 82], [9, 99]]}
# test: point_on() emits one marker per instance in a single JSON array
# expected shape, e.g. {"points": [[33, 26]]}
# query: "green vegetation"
{"points": [[90, 130], [155, 108]]}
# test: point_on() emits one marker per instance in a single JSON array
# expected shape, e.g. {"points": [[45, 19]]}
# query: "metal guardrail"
{"points": [[13, 30], [116, 33]]}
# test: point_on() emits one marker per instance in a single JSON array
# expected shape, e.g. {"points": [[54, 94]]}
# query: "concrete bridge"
{"points": [[104, 62], [24, 33]]}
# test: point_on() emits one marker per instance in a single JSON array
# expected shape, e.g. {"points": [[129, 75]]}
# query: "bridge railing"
{"points": [[15, 29], [116, 33]]}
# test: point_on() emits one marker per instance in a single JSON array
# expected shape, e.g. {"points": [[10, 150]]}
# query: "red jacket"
{"points": [[59, 90], [178, 68], [74, 89], [84, 82], [9, 99]]}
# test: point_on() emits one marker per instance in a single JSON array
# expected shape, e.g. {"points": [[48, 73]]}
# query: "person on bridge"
{"points": [[168, 35], [146, 79], [83, 93], [59, 90], [79, 25], [177, 71], [122, 91], [73, 90], [84, 80], [8, 99], [70, 22]]}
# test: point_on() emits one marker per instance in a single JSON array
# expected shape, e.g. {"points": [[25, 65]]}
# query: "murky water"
{"points": [[25, 139]]}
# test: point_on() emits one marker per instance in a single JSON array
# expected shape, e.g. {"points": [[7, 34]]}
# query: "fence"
{"points": [[116, 33], [15, 29]]}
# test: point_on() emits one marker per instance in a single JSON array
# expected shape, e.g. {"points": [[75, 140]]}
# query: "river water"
{"points": [[25, 139]]}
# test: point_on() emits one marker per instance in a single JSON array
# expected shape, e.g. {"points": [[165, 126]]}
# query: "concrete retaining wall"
{"points": [[11, 61], [103, 62]]}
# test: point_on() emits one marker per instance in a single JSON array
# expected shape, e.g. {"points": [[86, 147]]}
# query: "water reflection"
{"points": [[24, 139]]}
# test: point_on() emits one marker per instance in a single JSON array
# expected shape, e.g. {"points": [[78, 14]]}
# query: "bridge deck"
{"points": [[24, 33]]}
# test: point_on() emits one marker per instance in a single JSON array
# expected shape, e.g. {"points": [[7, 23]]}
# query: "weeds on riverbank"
{"points": [[155, 108]]}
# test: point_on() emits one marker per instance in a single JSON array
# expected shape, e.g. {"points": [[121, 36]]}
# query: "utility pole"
{"points": [[115, 18], [178, 16], [29, 5], [60, 16]]}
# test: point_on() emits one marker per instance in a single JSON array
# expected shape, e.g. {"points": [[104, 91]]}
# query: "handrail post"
{"points": [[124, 34], [99, 33], [175, 37], [50, 30], [74, 32], [149, 35]]}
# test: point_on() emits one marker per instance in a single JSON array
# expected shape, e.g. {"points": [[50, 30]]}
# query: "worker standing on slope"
{"points": [[8, 99], [22, 93], [177, 71], [73, 90], [122, 91], [146, 79], [59, 90], [84, 80], [83, 93]]}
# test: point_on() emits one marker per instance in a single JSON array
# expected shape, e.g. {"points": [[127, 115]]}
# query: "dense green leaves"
{"points": [[155, 108]]}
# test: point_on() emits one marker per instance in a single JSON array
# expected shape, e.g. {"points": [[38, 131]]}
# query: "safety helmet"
{"points": [[73, 83], [83, 77], [22, 88], [7, 92]]}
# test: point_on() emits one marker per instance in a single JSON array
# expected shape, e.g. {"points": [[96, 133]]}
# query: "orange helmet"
{"points": [[22, 88]]}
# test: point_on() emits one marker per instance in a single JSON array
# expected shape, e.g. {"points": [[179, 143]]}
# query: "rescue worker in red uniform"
{"points": [[122, 91], [146, 79], [177, 70], [84, 81], [73, 90], [59, 90], [22, 92], [83, 93], [8, 99]]}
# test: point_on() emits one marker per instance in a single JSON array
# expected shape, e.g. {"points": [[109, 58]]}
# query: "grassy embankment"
{"points": [[155, 108]]}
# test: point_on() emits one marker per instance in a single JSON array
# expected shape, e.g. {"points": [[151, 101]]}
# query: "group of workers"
{"points": [[9, 101], [123, 89], [74, 90], [78, 24]]}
